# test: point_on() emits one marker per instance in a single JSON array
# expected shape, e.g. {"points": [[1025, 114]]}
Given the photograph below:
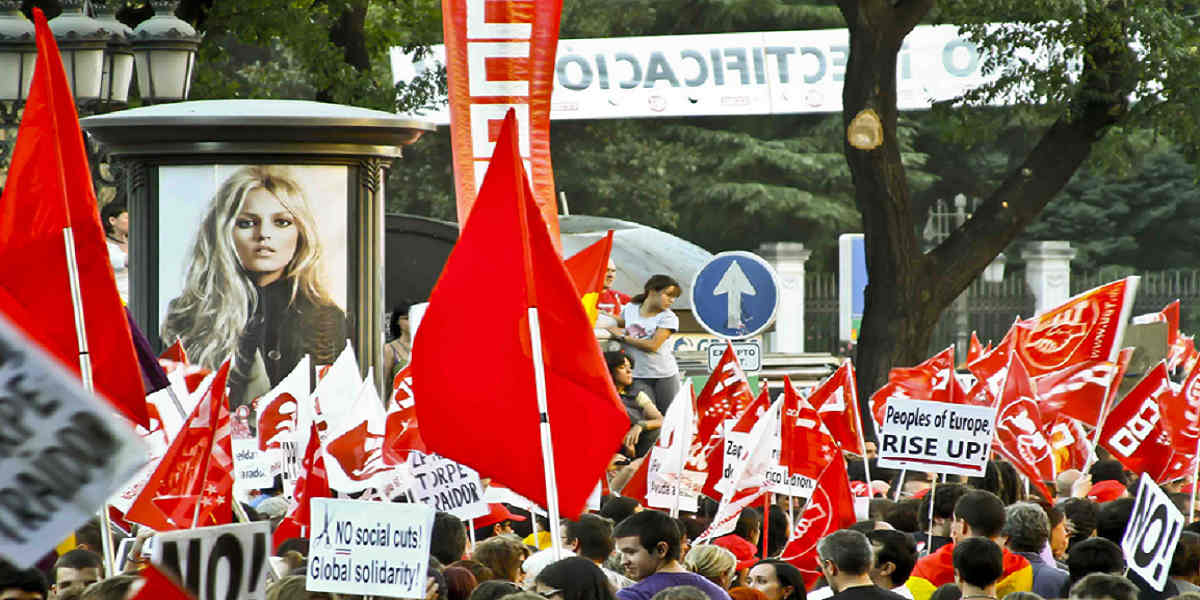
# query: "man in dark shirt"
{"points": [[978, 565], [648, 544], [846, 559]]}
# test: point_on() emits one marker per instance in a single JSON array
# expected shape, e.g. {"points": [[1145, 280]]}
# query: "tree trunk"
{"points": [[348, 33]]}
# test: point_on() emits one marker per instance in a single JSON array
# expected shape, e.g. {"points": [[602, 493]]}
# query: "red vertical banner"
{"points": [[500, 55]]}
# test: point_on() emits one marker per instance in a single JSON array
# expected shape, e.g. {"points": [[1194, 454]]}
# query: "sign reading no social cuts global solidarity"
{"points": [[447, 486], [369, 548], [936, 436], [214, 563], [62, 452], [1152, 533]]}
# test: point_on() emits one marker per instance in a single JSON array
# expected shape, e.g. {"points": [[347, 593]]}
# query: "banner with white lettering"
{"points": [[1152, 533], [938, 437], [254, 468], [447, 486], [499, 54], [369, 548], [214, 563], [660, 490], [62, 450]]}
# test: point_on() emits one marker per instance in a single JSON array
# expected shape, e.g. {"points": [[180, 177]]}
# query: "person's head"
{"points": [[947, 591], [299, 545], [904, 517], [620, 368], [646, 541], [777, 580], [448, 541], [481, 571], [1065, 480], [75, 570], [113, 588], [398, 323], [115, 218], [591, 536], [978, 562], [870, 450], [977, 513], [1113, 517], [21, 584], [712, 562], [1060, 529], [498, 521], [1108, 469], [944, 498], [1103, 586], [493, 590], [1095, 555], [610, 274], [749, 525], [1026, 526], [680, 592], [1082, 515], [1186, 560], [845, 556], [881, 507], [660, 292], [87, 536], [895, 556], [573, 578], [618, 508], [502, 554], [459, 583]]}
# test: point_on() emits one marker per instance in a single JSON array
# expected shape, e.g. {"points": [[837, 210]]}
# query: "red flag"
{"points": [[744, 423], [197, 467], [1078, 391], [48, 192], [401, 433], [991, 367], [1133, 431], [505, 253], [1169, 315], [974, 349], [836, 402], [313, 483], [588, 268], [1088, 327], [175, 353], [726, 394], [159, 586], [1020, 436], [1069, 443], [931, 380], [806, 445], [830, 508], [1181, 415]]}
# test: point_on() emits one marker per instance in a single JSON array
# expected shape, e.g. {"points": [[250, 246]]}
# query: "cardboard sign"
{"points": [[1153, 531], [215, 563], [369, 548], [447, 486], [62, 451], [938, 437], [660, 492], [253, 467]]}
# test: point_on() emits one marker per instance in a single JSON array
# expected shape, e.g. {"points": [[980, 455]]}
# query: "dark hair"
{"points": [[1113, 517], [113, 588], [26, 580], [89, 534], [616, 358], [652, 528], [945, 496], [787, 575], [749, 521], [299, 545], [656, 283], [1094, 555], [1101, 586], [1108, 470], [898, 548], [990, 482], [493, 589], [903, 515], [1082, 513], [1011, 489], [1026, 526], [448, 539], [880, 508], [1053, 513], [777, 532], [111, 211], [1022, 596], [459, 583], [979, 561], [481, 571], [983, 512], [578, 578], [594, 534], [618, 508], [946, 591], [849, 550], [1186, 560], [399, 311], [79, 558], [864, 527]]}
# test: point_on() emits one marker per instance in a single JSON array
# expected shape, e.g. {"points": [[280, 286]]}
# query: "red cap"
{"points": [[921, 493], [1106, 491], [497, 513], [742, 550]]}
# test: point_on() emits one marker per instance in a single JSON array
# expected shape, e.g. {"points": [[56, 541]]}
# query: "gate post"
{"points": [[788, 259], [1048, 272]]}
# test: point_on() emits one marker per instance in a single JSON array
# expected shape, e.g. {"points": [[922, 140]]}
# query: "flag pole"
{"points": [[85, 375], [766, 522], [539, 371], [932, 497], [860, 426], [900, 485]]}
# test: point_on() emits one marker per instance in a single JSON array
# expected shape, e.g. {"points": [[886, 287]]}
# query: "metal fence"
{"points": [[992, 307]]}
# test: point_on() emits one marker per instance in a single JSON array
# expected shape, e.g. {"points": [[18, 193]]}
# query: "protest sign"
{"points": [[369, 548], [62, 452], [252, 466], [660, 489], [447, 486], [214, 563], [940, 437], [1152, 533]]}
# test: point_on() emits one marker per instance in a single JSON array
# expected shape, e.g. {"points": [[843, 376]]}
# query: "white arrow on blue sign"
{"points": [[735, 295]]}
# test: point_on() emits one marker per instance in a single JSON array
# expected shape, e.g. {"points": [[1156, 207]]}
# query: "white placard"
{"points": [[447, 486], [214, 563], [62, 452], [369, 548], [937, 437], [252, 467], [1152, 533], [660, 491]]}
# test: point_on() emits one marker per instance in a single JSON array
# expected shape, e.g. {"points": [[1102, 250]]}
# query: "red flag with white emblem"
{"points": [[836, 401], [401, 432], [1079, 391], [1020, 436], [353, 446], [725, 395], [313, 483], [1088, 327], [806, 445], [931, 380], [1133, 431], [742, 425], [830, 508], [750, 479], [1181, 416], [974, 349]]}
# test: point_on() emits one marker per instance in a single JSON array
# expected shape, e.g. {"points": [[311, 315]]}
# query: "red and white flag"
{"points": [[931, 380], [1020, 434], [750, 479], [806, 446], [353, 445], [1133, 431], [313, 483], [401, 433], [725, 395], [1069, 444], [1169, 315], [278, 411], [836, 401], [830, 508], [720, 470], [1079, 391], [1181, 416], [1086, 328], [974, 349]]}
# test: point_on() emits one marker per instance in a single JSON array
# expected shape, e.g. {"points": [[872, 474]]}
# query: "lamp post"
{"points": [[118, 58], [164, 47], [81, 42], [18, 54]]}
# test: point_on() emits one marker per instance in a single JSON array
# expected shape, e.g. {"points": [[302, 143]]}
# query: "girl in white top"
{"points": [[648, 322]]}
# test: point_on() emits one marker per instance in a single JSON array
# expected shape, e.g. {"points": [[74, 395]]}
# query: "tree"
{"points": [[1086, 76]]}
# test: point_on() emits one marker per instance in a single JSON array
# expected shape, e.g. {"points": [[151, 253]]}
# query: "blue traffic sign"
{"points": [[735, 295]]}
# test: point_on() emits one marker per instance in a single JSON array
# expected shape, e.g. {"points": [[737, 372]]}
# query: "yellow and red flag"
{"points": [[587, 268]]}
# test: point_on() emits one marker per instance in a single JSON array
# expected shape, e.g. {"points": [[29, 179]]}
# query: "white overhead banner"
{"points": [[775, 72]]}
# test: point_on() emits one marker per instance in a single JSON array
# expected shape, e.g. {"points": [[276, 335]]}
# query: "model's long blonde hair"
{"points": [[218, 292]]}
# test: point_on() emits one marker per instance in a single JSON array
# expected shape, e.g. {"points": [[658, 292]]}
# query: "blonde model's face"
{"points": [[265, 236]]}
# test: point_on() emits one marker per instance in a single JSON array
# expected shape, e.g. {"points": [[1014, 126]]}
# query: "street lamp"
{"points": [[164, 47], [118, 58], [18, 54], [81, 42]]}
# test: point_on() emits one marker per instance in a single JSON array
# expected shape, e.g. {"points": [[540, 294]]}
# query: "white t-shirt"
{"points": [[655, 365], [120, 265]]}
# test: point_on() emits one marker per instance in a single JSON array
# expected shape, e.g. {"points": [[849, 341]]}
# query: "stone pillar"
{"points": [[788, 259], [1048, 272]]}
